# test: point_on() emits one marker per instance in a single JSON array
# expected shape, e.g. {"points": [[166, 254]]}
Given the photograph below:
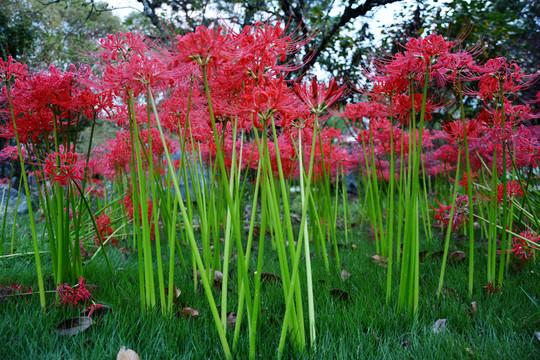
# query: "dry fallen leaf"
{"points": [[457, 256], [189, 312], [270, 278], [447, 291], [422, 255], [231, 318], [176, 292], [340, 294], [345, 275], [73, 326], [439, 326], [379, 259], [218, 276], [473, 309], [128, 354]]}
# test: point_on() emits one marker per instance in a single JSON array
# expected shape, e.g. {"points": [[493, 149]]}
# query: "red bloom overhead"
{"points": [[318, 97], [64, 166]]}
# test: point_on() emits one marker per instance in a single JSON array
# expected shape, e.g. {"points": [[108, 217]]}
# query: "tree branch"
{"points": [[348, 15]]}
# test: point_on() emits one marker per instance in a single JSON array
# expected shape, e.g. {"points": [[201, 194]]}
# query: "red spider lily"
{"points": [[359, 111], [465, 181], [91, 309], [403, 107], [119, 46], [103, 223], [524, 250], [128, 207], [527, 147], [64, 167], [72, 296], [513, 190], [457, 132], [493, 288], [84, 252], [460, 213], [274, 97], [500, 74], [318, 97], [12, 153], [429, 47], [13, 288], [11, 69], [203, 46], [52, 98]]}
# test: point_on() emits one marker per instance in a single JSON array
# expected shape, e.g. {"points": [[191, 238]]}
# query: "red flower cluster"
{"points": [[493, 288], [64, 167], [524, 250], [460, 213], [103, 223], [72, 296]]}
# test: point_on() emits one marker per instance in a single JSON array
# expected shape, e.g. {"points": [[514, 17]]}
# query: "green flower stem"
{"points": [[311, 303], [450, 225], [191, 236], [504, 235], [29, 203], [14, 218], [5, 212], [469, 191], [290, 236]]}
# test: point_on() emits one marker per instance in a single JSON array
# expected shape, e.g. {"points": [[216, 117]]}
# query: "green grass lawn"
{"points": [[363, 327]]}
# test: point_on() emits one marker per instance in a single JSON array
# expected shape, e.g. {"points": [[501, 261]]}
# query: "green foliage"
{"points": [[503, 28], [60, 32], [362, 328], [17, 36]]}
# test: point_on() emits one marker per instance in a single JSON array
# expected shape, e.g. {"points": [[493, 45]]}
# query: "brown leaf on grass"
{"points": [[270, 278], [218, 276], [188, 312], [340, 294], [447, 291], [128, 354], [405, 342], [345, 275], [176, 292], [296, 218], [439, 326], [473, 309], [231, 318], [457, 256], [73, 326], [379, 259]]}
